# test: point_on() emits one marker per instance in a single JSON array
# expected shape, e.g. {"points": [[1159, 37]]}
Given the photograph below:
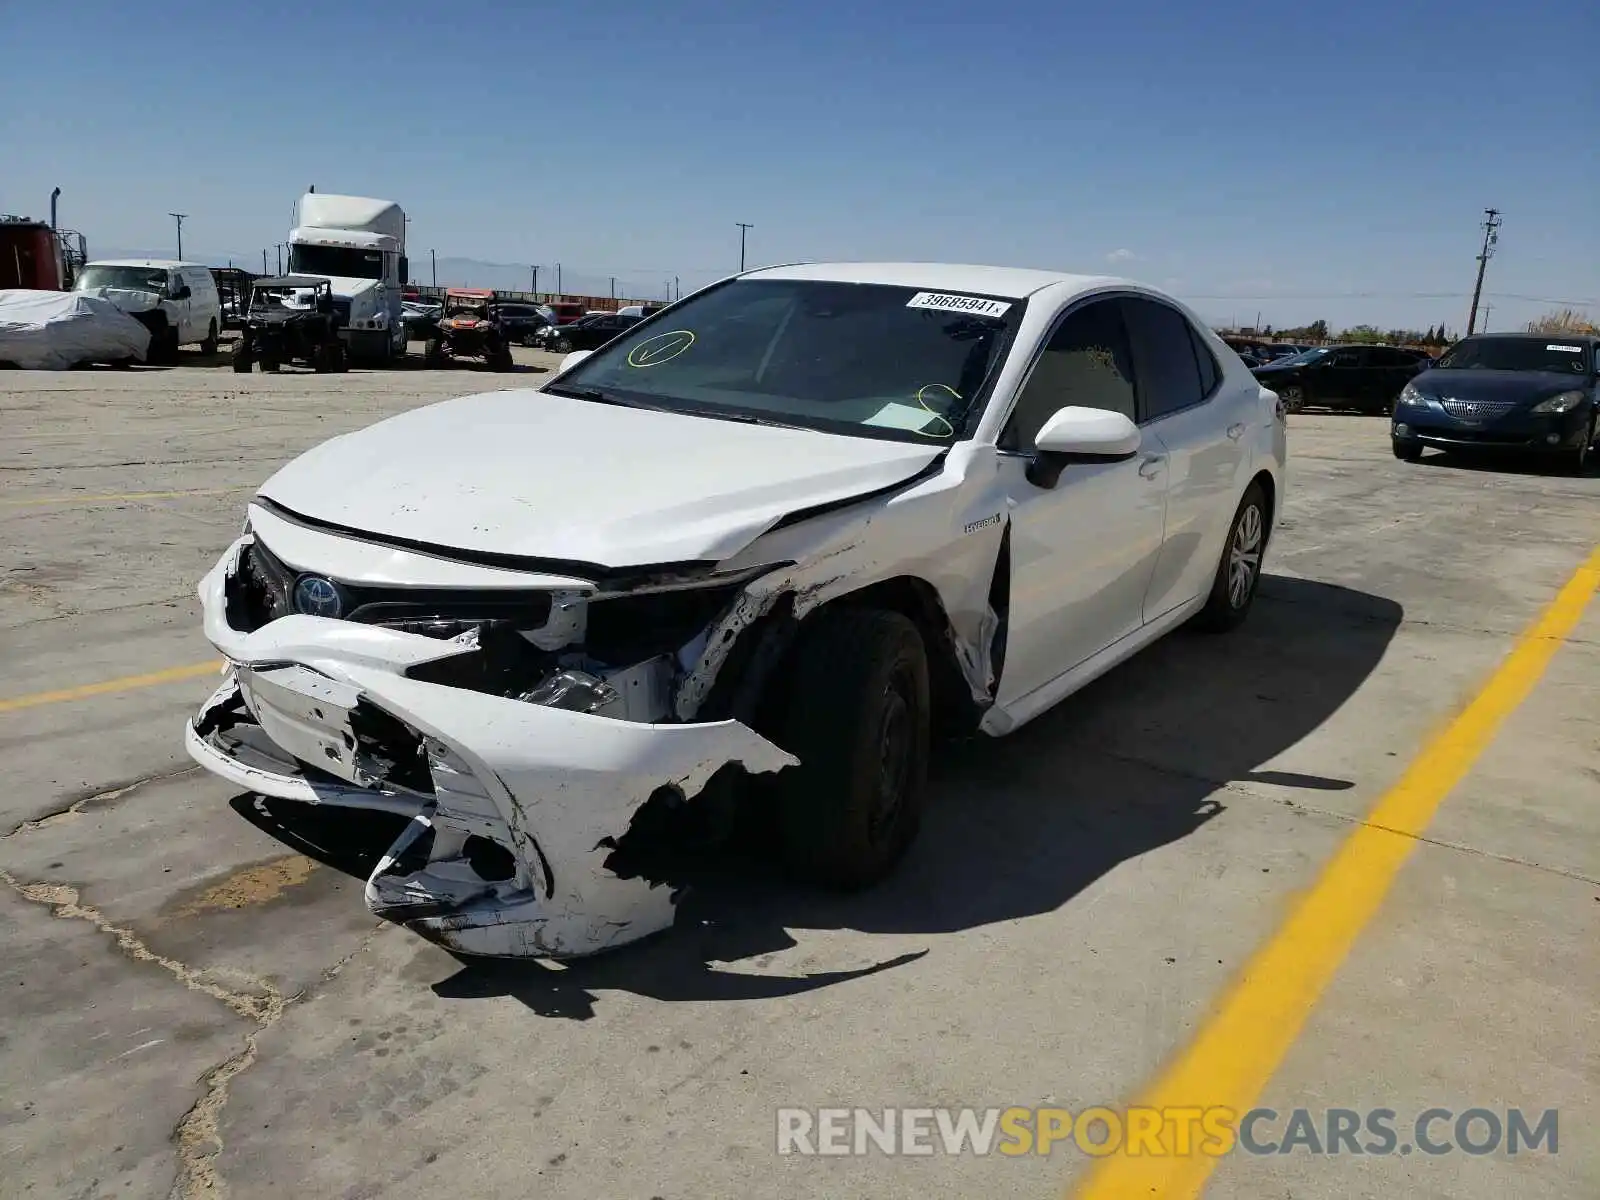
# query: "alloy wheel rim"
{"points": [[1244, 556], [1292, 399]]}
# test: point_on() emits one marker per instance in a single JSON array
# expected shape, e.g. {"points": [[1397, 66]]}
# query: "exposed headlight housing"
{"points": [[1411, 397], [1564, 403]]}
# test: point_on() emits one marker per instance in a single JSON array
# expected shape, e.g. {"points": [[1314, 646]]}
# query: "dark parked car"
{"points": [[1365, 378], [522, 322], [586, 333], [1523, 391]]}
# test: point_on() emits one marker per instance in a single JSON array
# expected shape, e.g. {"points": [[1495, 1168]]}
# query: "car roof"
{"points": [[164, 263], [1536, 337], [1012, 282]]}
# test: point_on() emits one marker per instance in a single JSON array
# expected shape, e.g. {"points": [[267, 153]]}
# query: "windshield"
{"points": [[336, 260], [1519, 354], [869, 360], [128, 279]]}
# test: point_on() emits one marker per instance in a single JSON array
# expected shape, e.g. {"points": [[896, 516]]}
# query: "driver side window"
{"points": [[1086, 363]]}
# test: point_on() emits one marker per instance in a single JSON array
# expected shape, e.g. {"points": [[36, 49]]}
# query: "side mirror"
{"points": [[1081, 435], [573, 359]]}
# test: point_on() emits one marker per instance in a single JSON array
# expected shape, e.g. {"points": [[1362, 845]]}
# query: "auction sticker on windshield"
{"points": [[1567, 349], [976, 305]]}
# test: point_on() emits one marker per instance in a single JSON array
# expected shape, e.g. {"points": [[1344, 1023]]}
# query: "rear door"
{"points": [[1202, 430]]}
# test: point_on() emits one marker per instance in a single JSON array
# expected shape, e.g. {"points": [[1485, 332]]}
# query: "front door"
{"points": [[1082, 552]]}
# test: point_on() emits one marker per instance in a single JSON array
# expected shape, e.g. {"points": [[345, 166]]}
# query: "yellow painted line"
{"points": [[119, 497], [127, 683], [1237, 1051]]}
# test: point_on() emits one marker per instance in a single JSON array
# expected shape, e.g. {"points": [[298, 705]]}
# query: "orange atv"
{"points": [[469, 327]]}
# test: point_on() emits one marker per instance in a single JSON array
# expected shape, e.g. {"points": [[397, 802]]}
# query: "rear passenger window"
{"points": [[1205, 361], [1163, 357], [1086, 364]]}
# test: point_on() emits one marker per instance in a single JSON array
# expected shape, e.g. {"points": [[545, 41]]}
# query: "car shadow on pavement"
{"points": [[1017, 827], [1504, 463]]}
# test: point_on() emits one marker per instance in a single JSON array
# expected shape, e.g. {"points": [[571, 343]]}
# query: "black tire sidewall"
{"points": [[832, 712]]}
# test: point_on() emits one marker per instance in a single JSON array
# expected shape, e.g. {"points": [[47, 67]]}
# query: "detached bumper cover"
{"points": [[517, 809]]}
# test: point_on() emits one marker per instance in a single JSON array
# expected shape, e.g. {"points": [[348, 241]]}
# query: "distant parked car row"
{"points": [[1366, 378]]}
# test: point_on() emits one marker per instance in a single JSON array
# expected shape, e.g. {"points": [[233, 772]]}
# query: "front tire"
{"points": [[1233, 589], [1407, 450], [856, 713], [1583, 458]]}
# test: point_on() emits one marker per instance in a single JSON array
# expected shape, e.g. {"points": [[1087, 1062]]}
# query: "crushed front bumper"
{"points": [[517, 810]]}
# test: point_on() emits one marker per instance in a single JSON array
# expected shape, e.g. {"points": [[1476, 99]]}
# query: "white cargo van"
{"points": [[176, 301]]}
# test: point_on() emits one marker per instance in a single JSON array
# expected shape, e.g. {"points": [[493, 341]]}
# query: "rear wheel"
{"points": [[562, 345], [1233, 588], [209, 346], [241, 358], [269, 364], [856, 715], [1294, 399], [434, 355]]}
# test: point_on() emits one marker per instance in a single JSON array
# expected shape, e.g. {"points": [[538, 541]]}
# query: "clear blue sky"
{"points": [[1248, 156]]}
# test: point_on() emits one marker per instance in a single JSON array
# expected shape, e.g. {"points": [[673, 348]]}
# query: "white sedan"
{"points": [[754, 552]]}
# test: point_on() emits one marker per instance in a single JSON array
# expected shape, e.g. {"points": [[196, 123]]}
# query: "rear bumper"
{"points": [[517, 810]]}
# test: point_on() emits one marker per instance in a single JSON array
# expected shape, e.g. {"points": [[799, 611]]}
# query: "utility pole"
{"points": [[613, 287], [263, 260], [278, 246], [1487, 309], [677, 292], [535, 288], [433, 261], [558, 279], [178, 217], [743, 225], [1491, 236]]}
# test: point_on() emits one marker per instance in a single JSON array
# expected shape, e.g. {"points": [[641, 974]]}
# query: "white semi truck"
{"points": [[359, 245]]}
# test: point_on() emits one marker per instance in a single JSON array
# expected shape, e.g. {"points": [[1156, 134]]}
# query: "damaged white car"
{"points": [[753, 555]]}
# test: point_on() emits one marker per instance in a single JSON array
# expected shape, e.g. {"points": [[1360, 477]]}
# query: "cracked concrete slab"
{"points": [[100, 1051], [199, 882]]}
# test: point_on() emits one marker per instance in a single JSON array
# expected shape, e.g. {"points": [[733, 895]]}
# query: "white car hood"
{"points": [[129, 300], [539, 476]]}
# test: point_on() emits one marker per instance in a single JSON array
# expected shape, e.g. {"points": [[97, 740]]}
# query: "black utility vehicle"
{"points": [[291, 319]]}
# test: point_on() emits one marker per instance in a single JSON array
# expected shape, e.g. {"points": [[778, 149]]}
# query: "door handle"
{"points": [[1236, 431], [1151, 467]]}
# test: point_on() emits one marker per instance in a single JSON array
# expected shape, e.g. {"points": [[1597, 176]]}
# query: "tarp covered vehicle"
{"points": [[291, 319], [52, 331], [469, 327]]}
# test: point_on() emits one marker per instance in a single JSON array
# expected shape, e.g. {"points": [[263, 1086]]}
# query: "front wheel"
{"points": [[856, 713], [433, 356], [1233, 588], [1407, 450], [1584, 457]]}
